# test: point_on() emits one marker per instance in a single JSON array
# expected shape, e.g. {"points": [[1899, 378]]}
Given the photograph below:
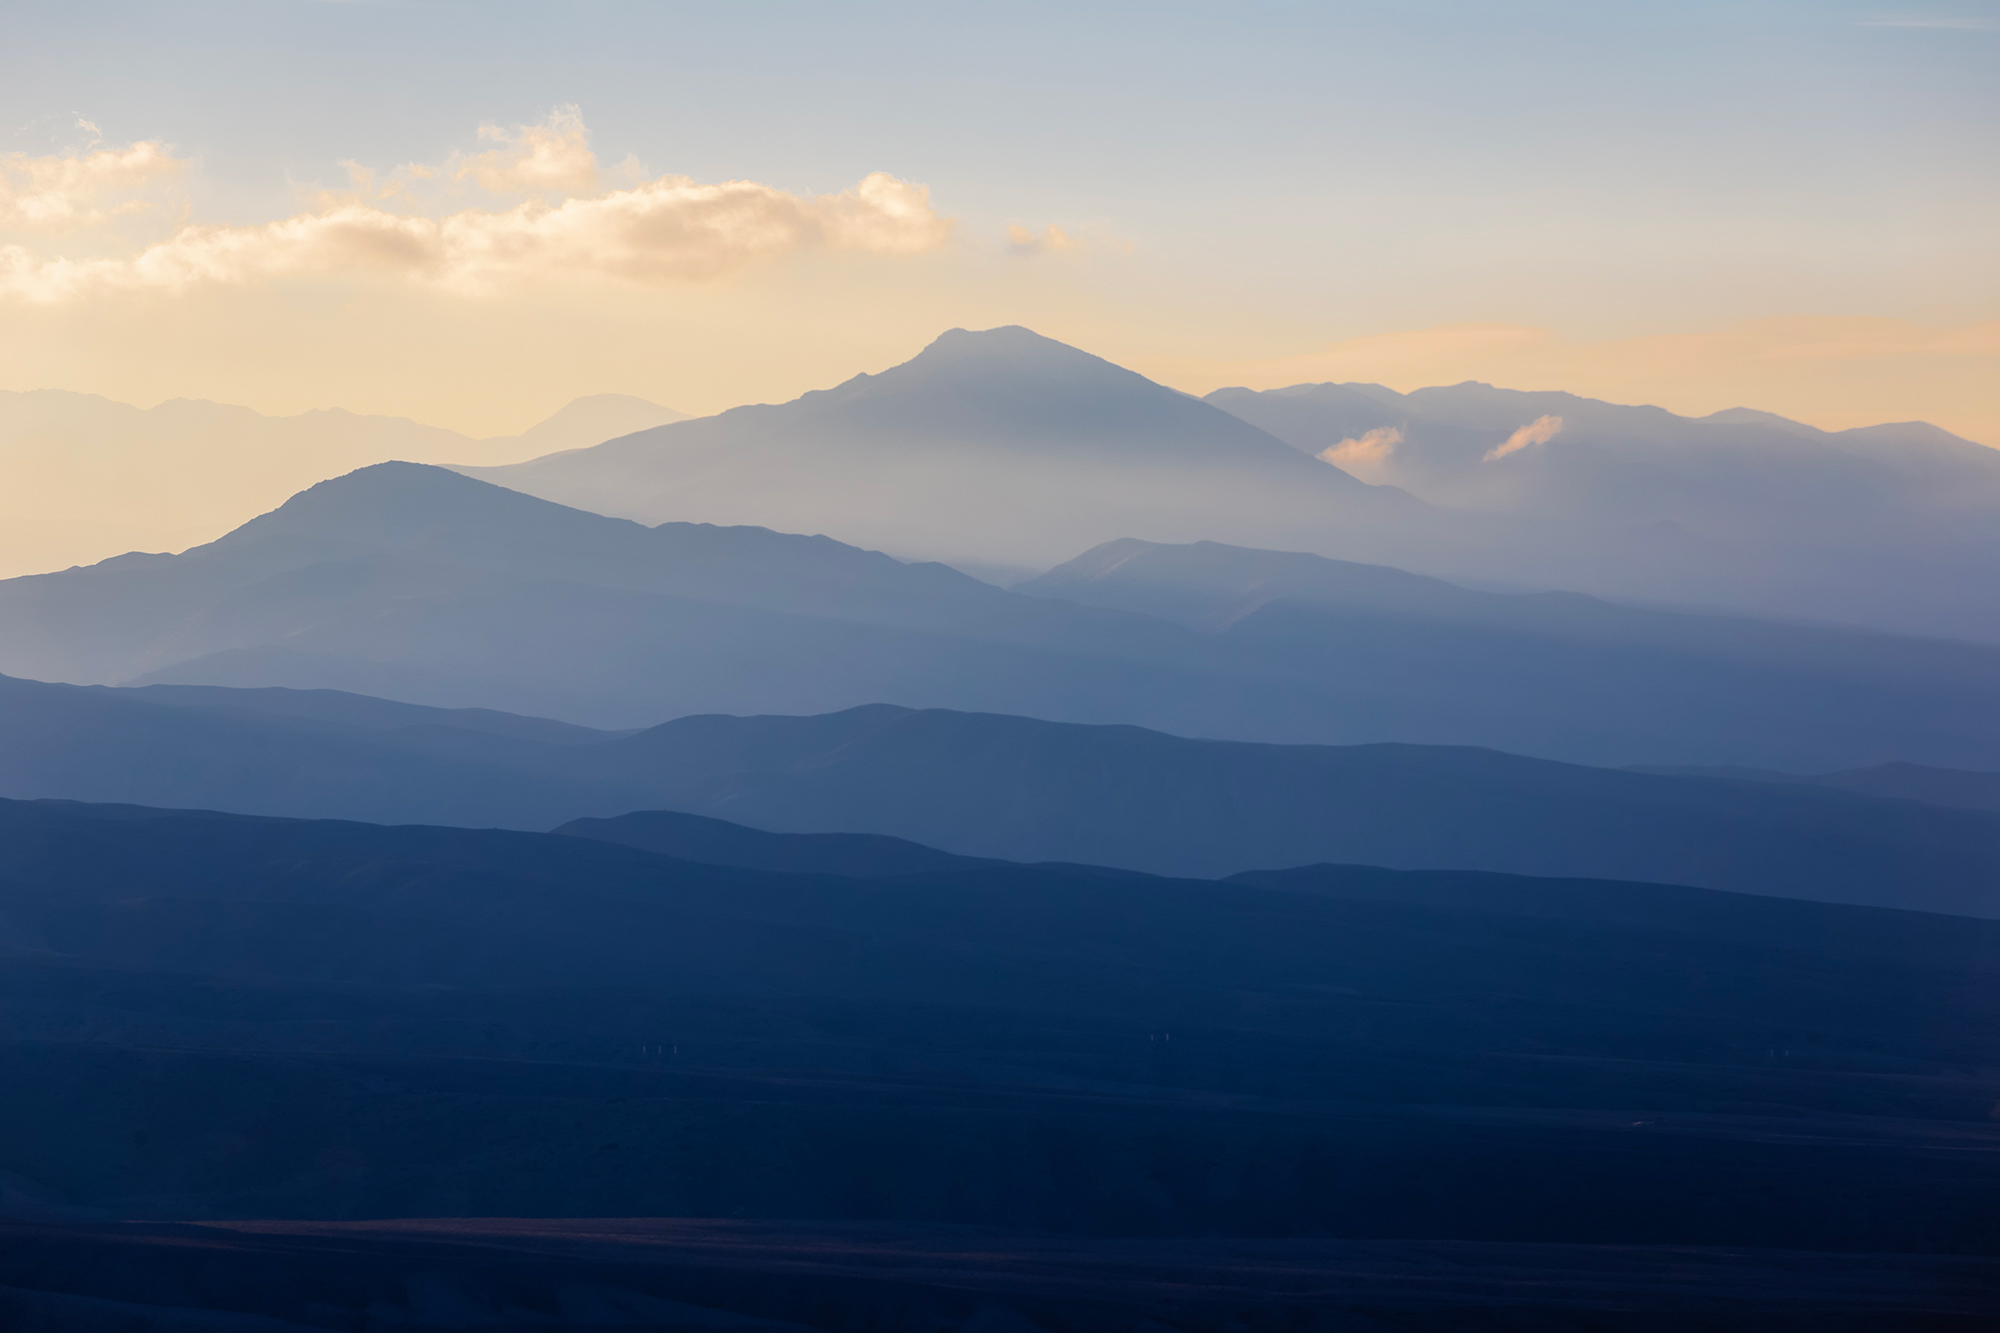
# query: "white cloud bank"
{"points": [[667, 229], [1539, 431], [61, 192]]}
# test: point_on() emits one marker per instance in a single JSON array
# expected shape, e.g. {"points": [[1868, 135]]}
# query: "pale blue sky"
{"points": [[1287, 175]]}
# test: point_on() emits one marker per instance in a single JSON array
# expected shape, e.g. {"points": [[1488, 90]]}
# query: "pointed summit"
{"points": [[997, 446], [401, 504], [1012, 388]]}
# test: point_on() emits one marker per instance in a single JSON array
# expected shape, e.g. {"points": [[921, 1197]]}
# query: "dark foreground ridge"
{"points": [[759, 1277], [212, 1016]]}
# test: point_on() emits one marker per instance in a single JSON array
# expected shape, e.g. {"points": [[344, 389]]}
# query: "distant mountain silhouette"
{"points": [[1555, 674], [719, 842], [1022, 790], [1953, 788], [420, 584], [1887, 525], [582, 423], [83, 478], [211, 1016], [998, 446], [986, 786], [302, 753]]}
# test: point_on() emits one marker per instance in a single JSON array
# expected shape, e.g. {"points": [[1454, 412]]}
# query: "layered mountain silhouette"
{"points": [[1890, 525], [211, 1016], [998, 447], [1953, 788], [1556, 674], [1001, 448], [986, 786], [1023, 790], [419, 584], [719, 842], [1082, 953], [168, 477]]}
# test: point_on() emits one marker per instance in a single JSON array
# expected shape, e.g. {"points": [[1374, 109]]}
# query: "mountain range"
{"points": [[998, 449], [1002, 449], [1889, 525], [416, 583], [1002, 846], [178, 474], [991, 787]]}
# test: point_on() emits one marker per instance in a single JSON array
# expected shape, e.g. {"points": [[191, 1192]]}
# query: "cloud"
{"points": [[1025, 242], [552, 158], [1366, 453], [61, 192], [1539, 431], [666, 230]]}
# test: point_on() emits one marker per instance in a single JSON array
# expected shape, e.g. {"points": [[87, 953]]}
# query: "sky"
{"points": [[469, 214]]}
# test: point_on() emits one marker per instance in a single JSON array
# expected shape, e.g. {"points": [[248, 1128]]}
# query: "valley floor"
{"points": [[741, 1277]]}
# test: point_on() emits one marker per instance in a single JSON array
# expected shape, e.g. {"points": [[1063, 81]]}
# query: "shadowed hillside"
{"points": [[985, 785], [214, 1016]]}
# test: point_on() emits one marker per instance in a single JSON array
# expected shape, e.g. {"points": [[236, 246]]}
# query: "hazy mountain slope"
{"points": [[436, 1022], [83, 478], [1023, 790], [336, 709], [998, 446], [1557, 674], [986, 786], [719, 842], [1954, 788], [419, 584], [1888, 525], [320, 756], [580, 424], [424, 585]]}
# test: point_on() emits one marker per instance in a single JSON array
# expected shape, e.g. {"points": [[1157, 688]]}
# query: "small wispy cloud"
{"points": [[1022, 241], [1364, 452], [1539, 431]]}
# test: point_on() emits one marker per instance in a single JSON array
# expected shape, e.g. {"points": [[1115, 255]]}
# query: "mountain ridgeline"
{"points": [[1002, 448], [995, 787], [416, 583], [174, 475]]}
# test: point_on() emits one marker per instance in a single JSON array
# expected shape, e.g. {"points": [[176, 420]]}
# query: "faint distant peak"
{"points": [[595, 418]]}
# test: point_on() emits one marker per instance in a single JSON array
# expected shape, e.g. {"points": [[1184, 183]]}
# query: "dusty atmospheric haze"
{"points": [[1026, 669]]}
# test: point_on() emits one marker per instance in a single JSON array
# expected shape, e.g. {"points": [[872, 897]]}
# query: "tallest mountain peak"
{"points": [[1005, 337], [996, 446], [1011, 349], [1010, 371]]}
